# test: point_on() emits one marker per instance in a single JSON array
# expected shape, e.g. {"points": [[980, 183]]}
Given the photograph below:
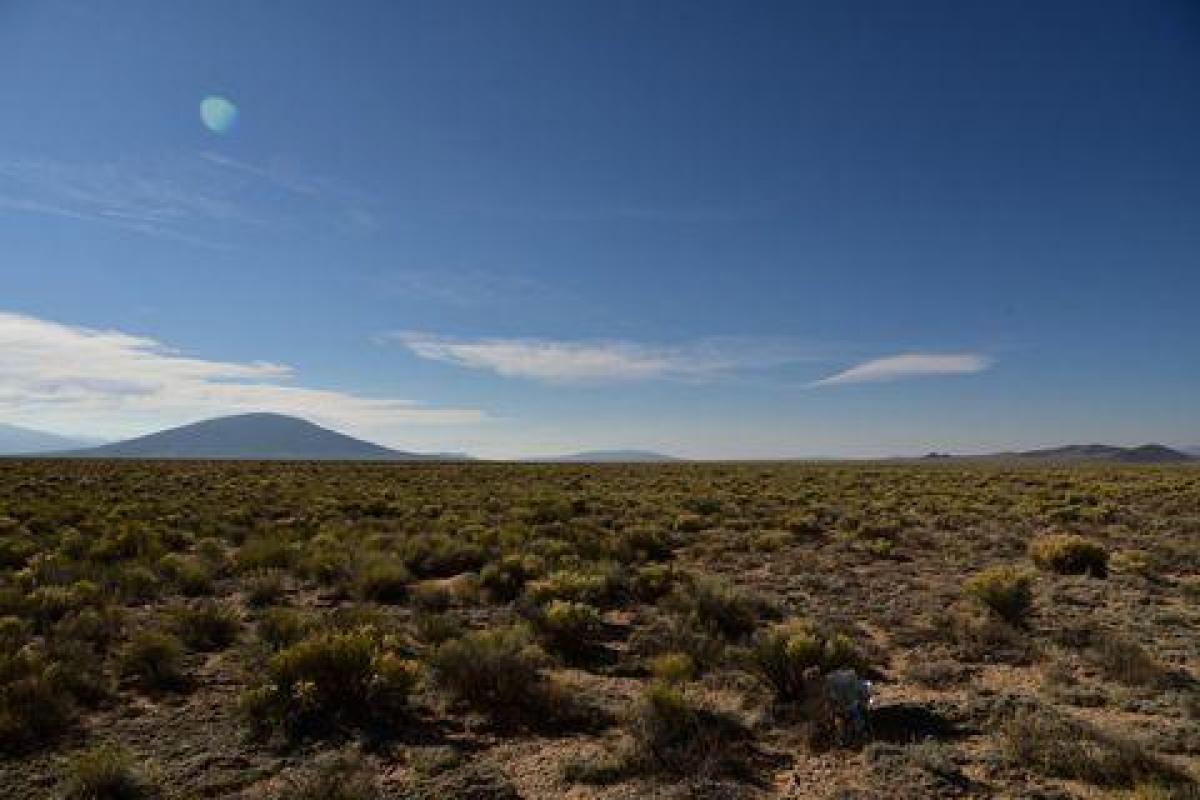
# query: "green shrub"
{"points": [[332, 678], [673, 668], [48, 604], [1007, 591], [383, 579], [14, 633], [789, 655], [438, 595], [437, 628], [207, 625], [651, 582], [106, 772], [327, 560], [137, 583], [127, 543], [503, 580], [567, 627], [264, 588], [495, 670], [671, 733], [719, 606], [595, 587], [154, 660], [806, 524], [1069, 554], [281, 627], [15, 551], [264, 553], [546, 510], [665, 725], [440, 556], [681, 634], [189, 574], [642, 543]]}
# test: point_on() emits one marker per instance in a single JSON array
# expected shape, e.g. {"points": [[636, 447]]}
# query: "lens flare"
{"points": [[218, 114]]}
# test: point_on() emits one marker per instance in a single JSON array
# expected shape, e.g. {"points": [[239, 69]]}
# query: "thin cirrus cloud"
{"points": [[65, 376], [908, 365], [202, 199], [553, 361]]}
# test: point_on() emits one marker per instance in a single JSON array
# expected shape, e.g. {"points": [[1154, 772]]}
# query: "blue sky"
{"points": [[513, 228]]}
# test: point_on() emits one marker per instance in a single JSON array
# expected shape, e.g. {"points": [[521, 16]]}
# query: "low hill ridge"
{"points": [[255, 436], [608, 456], [17, 440], [1141, 454]]}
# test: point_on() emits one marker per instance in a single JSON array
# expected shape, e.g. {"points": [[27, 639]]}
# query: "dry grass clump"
{"points": [[265, 588], [434, 628], [280, 627], [1057, 746], [1138, 562], [207, 625], [670, 732], [1123, 660], [343, 777], [1069, 554], [1006, 591], [154, 660], [190, 575], [34, 704], [262, 553], [107, 772]]}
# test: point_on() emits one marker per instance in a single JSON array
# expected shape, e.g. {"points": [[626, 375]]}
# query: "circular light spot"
{"points": [[218, 113]]}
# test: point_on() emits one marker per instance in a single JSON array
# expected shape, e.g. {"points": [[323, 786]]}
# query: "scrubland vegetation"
{"points": [[501, 631]]}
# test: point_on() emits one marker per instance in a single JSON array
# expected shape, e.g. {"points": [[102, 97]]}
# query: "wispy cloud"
{"points": [[468, 288], [908, 365], [202, 199], [58, 374], [603, 361]]}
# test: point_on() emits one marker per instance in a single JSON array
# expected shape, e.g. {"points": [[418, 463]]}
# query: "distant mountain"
{"points": [[15, 440], [1078, 453], [1143, 454], [1074, 453], [1193, 450], [266, 437], [608, 457]]}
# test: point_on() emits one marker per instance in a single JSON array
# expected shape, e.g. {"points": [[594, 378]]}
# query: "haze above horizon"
{"points": [[715, 230]]}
